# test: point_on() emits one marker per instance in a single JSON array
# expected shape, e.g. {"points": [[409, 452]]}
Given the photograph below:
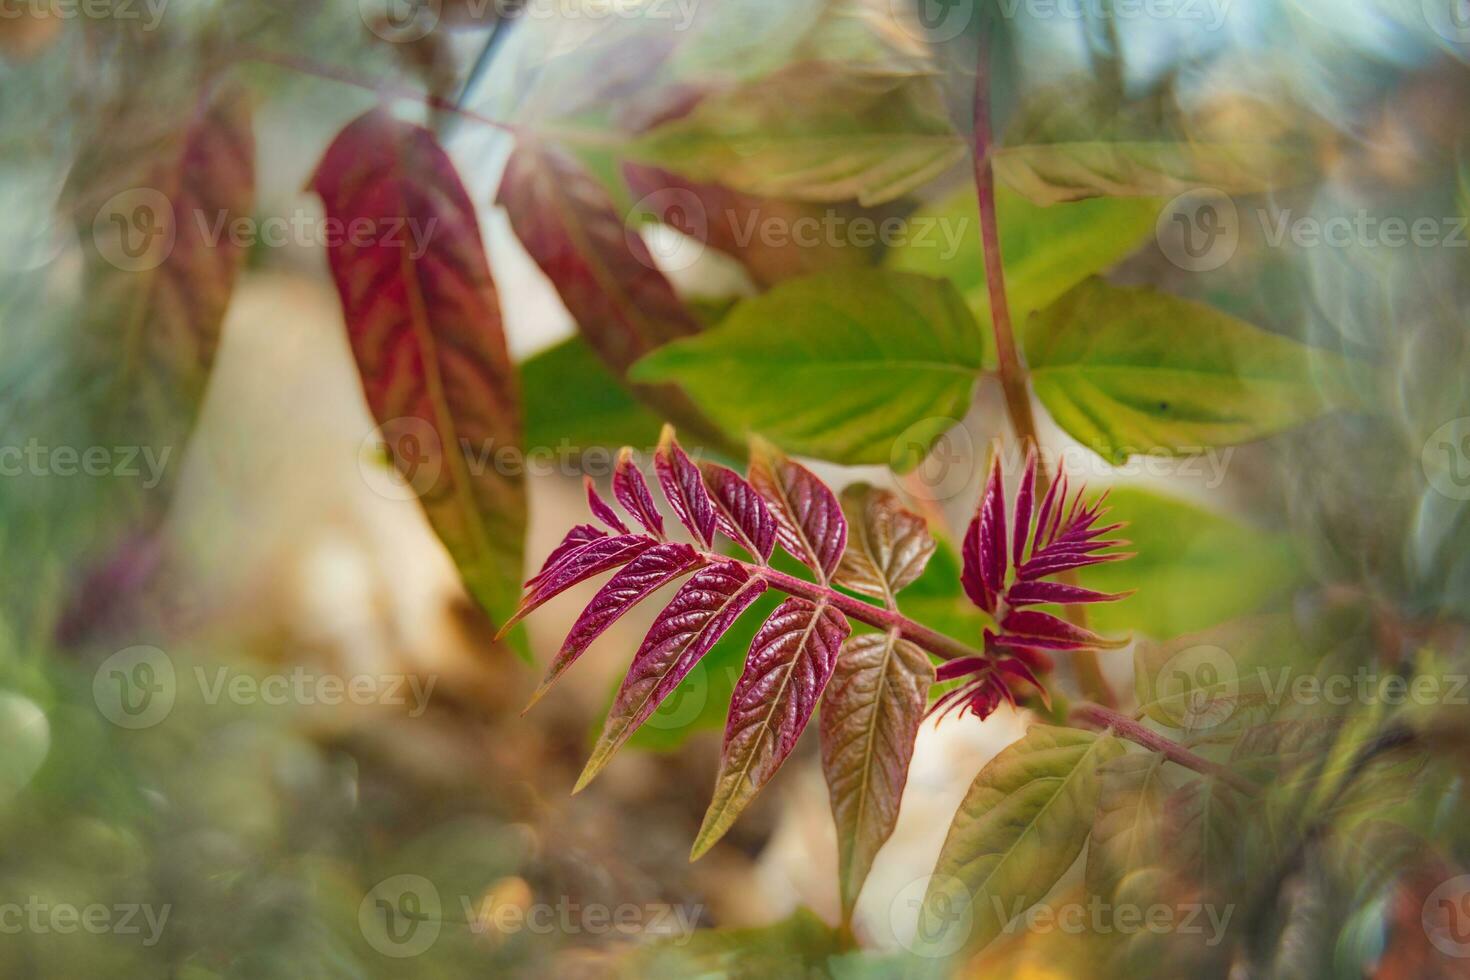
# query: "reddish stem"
{"points": [[1100, 717], [1012, 372]]}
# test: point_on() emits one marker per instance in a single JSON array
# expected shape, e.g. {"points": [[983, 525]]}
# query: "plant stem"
{"points": [[931, 641], [1012, 371], [1100, 717]]}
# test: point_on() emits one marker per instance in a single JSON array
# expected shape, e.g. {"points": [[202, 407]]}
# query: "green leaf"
{"points": [[1020, 827], [1201, 681], [1128, 371], [1201, 825], [835, 366], [1047, 250], [752, 38], [571, 396], [1129, 820], [1193, 568], [792, 949], [871, 713], [1075, 139], [812, 132], [1051, 173]]}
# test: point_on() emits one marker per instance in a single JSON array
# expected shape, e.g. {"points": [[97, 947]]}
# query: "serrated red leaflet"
{"points": [[741, 513], [631, 490], [985, 542], [424, 323], [608, 280], [600, 508], [1030, 628], [593, 558], [640, 578], [1065, 562], [1025, 498], [575, 538], [699, 614], [809, 520], [871, 712], [1038, 593], [790, 661], [684, 488]]}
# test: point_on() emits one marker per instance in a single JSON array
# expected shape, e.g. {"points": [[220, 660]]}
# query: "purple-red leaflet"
{"points": [[591, 559], [601, 509], [790, 661], [684, 489], [640, 578], [741, 512], [631, 490], [809, 520], [698, 615]]}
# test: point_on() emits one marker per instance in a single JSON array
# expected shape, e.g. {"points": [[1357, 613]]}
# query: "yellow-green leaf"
{"points": [[1128, 371], [1047, 250], [837, 366], [812, 132], [1020, 827]]}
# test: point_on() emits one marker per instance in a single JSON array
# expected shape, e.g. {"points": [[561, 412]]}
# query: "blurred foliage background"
{"points": [[259, 835]]}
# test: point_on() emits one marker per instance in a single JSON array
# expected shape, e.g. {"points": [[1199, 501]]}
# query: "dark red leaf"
{"points": [[699, 614], [741, 513], [631, 490], [683, 487], [737, 224], [424, 323], [576, 537], [1027, 627], [601, 510], [1025, 497], [640, 578], [1037, 593], [809, 520], [623, 305], [593, 558], [790, 661], [155, 191]]}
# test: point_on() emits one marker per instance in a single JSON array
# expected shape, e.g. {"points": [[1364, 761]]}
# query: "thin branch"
{"points": [[1012, 371], [1100, 717]]}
